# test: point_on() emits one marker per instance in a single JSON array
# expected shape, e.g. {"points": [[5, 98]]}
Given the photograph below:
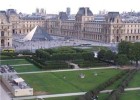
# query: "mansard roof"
{"points": [[63, 16], [113, 14], [3, 12], [83, 11], [11, 11]]}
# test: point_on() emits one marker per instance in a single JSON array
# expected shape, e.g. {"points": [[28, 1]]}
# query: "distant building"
{"points": [[110, 27], [13, 23]]}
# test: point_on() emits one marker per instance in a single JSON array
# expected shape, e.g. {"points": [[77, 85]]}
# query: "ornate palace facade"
{"points": [[108, 28], [12, 23]]}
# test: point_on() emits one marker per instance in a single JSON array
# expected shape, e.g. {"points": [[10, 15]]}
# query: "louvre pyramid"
{"points": [[37, 34]]}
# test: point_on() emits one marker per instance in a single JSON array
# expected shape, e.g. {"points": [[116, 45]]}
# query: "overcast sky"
{"points": [[54, 6]]}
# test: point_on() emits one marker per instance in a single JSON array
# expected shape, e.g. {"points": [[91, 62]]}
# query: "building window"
{"points": [[133, 38], [8, 44], [117, 31], [137, 37], [129, 38], [126, 38], [2, 33], [117, 20], [2, 42], [127, 31], [131, 31]]}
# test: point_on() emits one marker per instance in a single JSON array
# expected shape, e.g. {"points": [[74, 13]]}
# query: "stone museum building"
{"points": [[107, 28]]}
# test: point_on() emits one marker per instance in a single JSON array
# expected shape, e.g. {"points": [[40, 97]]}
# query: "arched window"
{"points": [[129, 38], [133, 38], [2, 33], [117, 39], [8, 44], [2, 42], [137, 37]]}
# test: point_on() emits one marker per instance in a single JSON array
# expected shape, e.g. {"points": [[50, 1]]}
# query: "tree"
{"points": [[124, 48], [88, 56], [135, 52], [101, 55], [122, 59], [109, 56]]}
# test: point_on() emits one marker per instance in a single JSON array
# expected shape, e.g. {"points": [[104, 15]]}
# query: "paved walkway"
{"points": [[66, 70], [3, 93], [75, 66], [22, 65], [68, 94], [11, 59]]}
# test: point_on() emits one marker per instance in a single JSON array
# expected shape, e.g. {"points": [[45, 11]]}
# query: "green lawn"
{"points": [[63, 98], [14, 62], [56, 83], [22, 68], [130, 95], [60, 98], [27, 68], [135, 82]]}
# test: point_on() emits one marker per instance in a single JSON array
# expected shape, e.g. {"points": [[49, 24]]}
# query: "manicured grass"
{"points": [[48, 82], [63, 98], [90, 81], [26, 68], [135, 82], [14, 62], [130, 95], [56, 83], [21, 68]]}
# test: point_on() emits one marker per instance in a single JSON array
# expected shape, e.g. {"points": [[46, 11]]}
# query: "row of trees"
{"points": [[127, 52], [115, 94], [63, 55], [93, 93], [130, 50], [112, 57]]}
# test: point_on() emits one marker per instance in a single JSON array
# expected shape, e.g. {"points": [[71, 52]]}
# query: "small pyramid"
{"points": [[38, 33]]}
